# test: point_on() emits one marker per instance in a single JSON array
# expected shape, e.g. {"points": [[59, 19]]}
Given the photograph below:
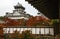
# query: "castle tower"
{"points": [[19, 8], [18, 13]]}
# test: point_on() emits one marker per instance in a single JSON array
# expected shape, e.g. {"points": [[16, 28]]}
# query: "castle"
{"points": [[18, 13], [45, 31]]}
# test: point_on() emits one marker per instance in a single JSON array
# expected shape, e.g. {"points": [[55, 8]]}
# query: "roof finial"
{"points": [[39, 14], [18, 4]]}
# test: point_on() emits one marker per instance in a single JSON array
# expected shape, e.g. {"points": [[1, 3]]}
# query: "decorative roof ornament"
{"points": [[39, 14], [18, 6]]}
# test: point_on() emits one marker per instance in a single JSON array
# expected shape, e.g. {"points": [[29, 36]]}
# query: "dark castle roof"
{"points": [[18, 6]]}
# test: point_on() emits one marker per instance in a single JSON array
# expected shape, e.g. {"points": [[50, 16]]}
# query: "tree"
{"points": [[15, 35], [54, 22], [27, 35], [37, 21], [24, 35]]}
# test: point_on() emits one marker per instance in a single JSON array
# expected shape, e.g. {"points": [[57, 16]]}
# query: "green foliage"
{"points": [[42, 23], [16, 35], [6, 36], [1, 17], [28, 35], [54, 22]]}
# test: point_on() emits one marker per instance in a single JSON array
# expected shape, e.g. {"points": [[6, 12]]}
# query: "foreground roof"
{"points": [[48, 7]]}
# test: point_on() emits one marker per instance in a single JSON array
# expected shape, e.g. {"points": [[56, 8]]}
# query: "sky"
{"points": [[7, 6]]}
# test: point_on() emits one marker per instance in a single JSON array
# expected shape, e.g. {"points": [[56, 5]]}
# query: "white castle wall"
{"points": [[34, 30]]}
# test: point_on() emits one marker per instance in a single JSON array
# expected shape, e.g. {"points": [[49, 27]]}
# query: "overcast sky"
{"points": [[7, 6]]}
